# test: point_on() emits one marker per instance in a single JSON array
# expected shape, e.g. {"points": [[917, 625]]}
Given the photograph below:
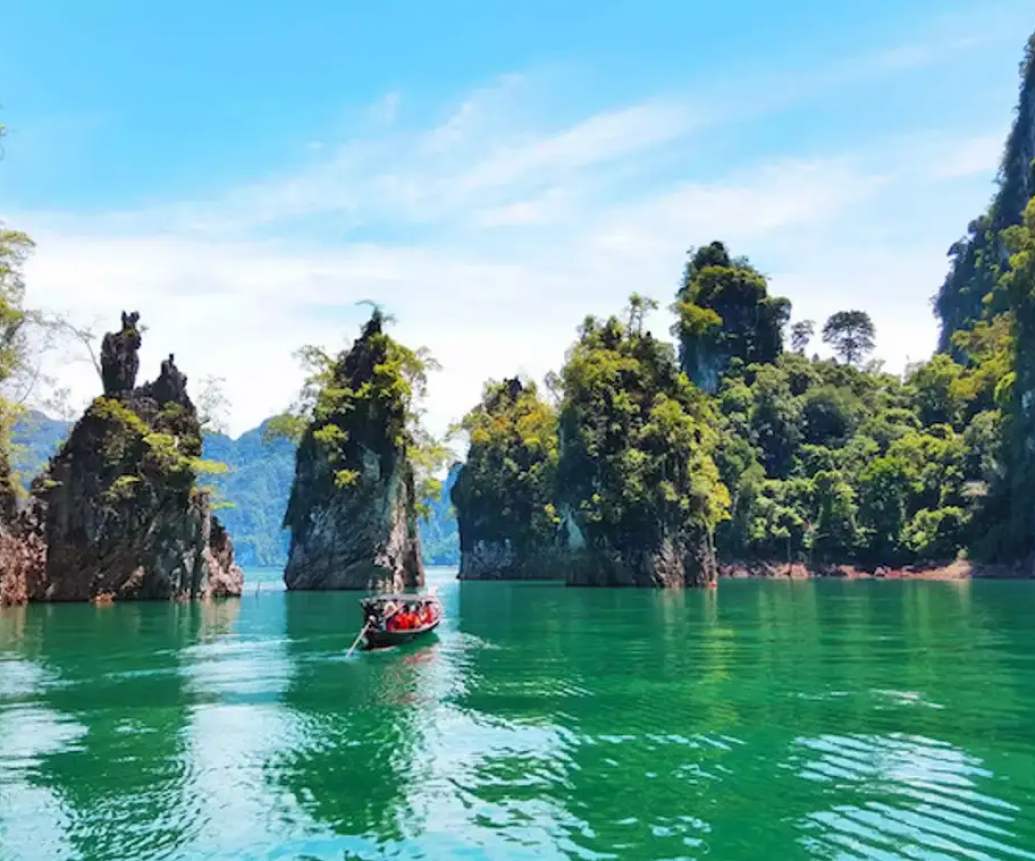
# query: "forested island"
{"points": [[736, 449]]}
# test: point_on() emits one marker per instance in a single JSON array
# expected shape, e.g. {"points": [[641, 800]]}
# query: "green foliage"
{"points": [[725, 313], [836, 532], [936, 390], [635, 460], [505, 490], [851, 334], [365, 399], [346, 477], [973, 290], [1015, 393], [138, 455], [937, 534], [801, 335], [14, 352], [828, 462], [990, 347]]}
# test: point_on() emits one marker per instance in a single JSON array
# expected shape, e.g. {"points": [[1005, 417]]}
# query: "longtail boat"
{"points": [[390, 620]]}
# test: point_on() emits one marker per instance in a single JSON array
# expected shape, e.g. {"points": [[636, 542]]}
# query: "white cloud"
{"points": [[498, 234], [976, 155]]}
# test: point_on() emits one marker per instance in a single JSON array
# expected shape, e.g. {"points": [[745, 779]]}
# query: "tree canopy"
{"points": [[506, 489], [370, 397], [637, 437], [851, 334], [724, 313]]}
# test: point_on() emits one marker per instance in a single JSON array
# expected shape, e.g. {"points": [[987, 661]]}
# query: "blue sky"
{"points": [[243, 173]]}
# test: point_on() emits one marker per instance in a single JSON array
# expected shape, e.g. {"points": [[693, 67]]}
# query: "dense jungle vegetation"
{"points": [[793, 457]]}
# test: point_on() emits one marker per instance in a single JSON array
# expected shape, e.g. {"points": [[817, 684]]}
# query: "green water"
{"points": [[768, 720]]}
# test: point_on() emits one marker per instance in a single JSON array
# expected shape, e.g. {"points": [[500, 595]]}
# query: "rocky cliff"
{"points": [[352, 510], [118, 513], [22, 552], [674, 559], [980, 257]]}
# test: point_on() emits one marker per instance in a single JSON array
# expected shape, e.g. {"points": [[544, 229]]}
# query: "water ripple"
{"points": [[792, 721]]}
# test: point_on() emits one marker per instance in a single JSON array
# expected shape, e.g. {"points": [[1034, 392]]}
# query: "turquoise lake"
{"points": [[772, 720]]}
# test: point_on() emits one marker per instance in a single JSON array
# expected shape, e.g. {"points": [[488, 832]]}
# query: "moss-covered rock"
{"points": [[119, 510], [353, 506]]}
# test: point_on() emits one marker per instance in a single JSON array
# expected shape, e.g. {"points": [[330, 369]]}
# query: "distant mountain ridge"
{"points": [[257, 486]]}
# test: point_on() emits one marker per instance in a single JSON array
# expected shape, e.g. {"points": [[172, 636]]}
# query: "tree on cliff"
{"points": [[724, 312], [1010, 503], [364, 467], [635, 469], [14, 247], [801, 335], [379, 381], [504, 493], [851, 334], [972, 291]]}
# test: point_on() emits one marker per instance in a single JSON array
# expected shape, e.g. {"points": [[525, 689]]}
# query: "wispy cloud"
{"points": [[492, 160], [493, 231]]}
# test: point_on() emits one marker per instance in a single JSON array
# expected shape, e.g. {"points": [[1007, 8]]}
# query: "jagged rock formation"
{"points": [[117, 513], [978, 260], [503, 493], [352, 510], [119, 360]]}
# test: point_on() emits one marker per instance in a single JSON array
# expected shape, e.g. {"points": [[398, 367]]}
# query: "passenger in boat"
{"points": [[403, 619]]}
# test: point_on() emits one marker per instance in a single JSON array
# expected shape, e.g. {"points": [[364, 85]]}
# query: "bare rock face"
{"points": [[362, 538], [117, 510], [23, 557], [673, 563], [119, 359], [498, 560], [360, 534]]}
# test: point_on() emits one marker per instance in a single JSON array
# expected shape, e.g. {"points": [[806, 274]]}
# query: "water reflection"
{"points": [[690, 703], [356, 744], [29, 732], [235, 674], [813, 720], [122, 783]]}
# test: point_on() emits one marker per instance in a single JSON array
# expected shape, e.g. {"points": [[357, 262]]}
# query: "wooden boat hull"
{"points": [[384, 639]]}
